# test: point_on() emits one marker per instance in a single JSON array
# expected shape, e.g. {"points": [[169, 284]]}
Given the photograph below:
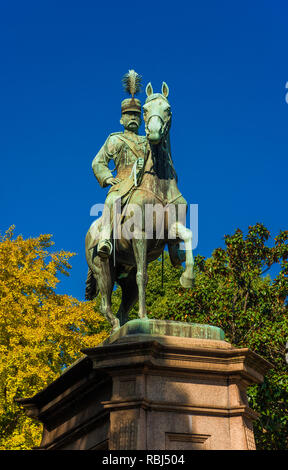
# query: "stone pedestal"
{"points": [[154, 385]]}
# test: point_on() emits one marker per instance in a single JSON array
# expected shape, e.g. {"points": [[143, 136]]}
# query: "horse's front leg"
{"points": [[140, 252], [178, 230]]}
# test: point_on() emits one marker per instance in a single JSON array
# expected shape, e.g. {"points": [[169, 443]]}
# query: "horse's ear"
{"points": [[149, 89], [165, 89]]}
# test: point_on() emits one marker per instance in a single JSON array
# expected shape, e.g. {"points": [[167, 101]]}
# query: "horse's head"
{"points": [[157, 114]]}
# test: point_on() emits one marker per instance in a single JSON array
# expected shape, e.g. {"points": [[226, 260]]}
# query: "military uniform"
{"points": [[127, 150]]}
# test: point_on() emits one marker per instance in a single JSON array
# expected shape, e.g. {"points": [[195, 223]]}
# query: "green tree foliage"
{"points": [[233, 291]]}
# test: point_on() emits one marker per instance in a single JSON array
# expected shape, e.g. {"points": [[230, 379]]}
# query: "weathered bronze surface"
{"points": [[145, 177]]}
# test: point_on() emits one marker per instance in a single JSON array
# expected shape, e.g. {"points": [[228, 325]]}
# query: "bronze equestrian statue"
{"points": [[146, 180]]}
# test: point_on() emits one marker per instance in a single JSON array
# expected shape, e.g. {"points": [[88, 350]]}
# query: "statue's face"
{"points": [[131, 120]]}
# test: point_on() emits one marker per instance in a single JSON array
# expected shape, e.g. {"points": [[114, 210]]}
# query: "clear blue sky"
{"points": [[61, 68]]}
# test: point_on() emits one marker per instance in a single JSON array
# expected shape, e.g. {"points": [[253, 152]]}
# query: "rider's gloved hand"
{"points": [[113, 181]]}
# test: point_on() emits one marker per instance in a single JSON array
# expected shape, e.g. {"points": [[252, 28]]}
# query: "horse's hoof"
{"points": [[114, 330], [187, 282], [115, 325]]}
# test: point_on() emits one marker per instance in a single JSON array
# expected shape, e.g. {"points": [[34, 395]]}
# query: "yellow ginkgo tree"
{"points": [[41, 332]]}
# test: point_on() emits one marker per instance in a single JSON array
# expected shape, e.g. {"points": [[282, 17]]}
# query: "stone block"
{"points": [[150, 386]]}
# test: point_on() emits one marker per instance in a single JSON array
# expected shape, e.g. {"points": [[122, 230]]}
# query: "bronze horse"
{"points": [[157, 187]]}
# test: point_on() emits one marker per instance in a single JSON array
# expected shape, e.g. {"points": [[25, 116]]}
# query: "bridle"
{"points": [[165, 125]]}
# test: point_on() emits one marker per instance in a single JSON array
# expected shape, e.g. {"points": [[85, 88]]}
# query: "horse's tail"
{"points": [[92, 289]]}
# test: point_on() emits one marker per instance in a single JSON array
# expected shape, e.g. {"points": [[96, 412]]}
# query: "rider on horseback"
{"points": [[145, 178], [127, 150]]}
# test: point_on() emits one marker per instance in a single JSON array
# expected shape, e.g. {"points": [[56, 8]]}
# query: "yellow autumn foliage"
{"points": [[41, 332]]}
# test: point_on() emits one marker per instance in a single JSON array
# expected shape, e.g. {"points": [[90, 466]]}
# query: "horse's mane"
{"points": [[162, 160]]}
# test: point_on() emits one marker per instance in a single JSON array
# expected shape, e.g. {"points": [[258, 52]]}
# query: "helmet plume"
{"points": [[132, 82]]}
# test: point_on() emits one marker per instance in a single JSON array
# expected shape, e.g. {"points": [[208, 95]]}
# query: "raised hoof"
{"points": [[187, 282]]}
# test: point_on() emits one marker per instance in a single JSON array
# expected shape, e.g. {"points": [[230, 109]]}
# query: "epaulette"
{"points": [[105, 145]]}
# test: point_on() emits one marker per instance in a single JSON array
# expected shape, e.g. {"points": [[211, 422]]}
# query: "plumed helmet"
{"points": [[132, 85]]}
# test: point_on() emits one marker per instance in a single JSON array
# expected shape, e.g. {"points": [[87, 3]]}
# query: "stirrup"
{"points": [[104, 248]]}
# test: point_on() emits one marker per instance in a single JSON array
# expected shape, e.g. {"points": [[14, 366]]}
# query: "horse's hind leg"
{"points": [[178, 230], [129, 296], [105, 283]]}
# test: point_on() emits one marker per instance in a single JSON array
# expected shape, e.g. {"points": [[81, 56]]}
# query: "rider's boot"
{"points": [[104, 248]]}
